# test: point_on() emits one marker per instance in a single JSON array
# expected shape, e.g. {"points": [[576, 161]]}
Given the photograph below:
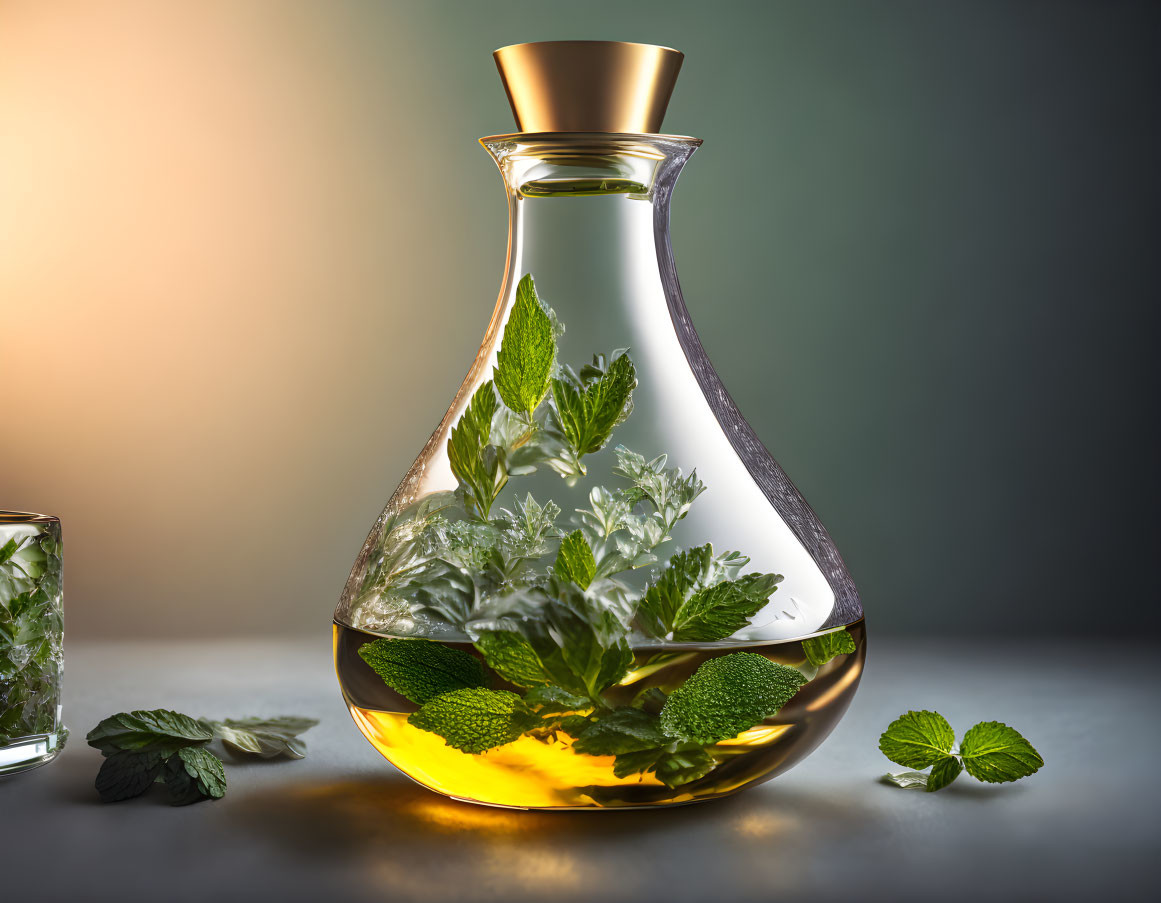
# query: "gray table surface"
{"points": [[343, 825]]}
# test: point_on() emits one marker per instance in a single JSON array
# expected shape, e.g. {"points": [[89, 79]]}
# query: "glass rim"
{"points": [[26, 517]]}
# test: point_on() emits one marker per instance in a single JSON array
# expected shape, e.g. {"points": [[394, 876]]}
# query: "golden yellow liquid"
{"points": [[543, 772]]}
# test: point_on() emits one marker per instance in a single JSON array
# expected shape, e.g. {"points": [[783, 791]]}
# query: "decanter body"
{"points": [[595, 587]]}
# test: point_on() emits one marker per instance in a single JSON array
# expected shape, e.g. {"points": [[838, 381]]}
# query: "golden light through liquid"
{"points": [[544, 771]]}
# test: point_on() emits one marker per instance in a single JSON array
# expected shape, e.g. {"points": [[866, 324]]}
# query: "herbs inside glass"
{"points": [[31, 641]]}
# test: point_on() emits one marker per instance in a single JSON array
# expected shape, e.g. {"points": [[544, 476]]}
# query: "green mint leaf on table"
{"points": [[623, 730], [728, 695], [943, 773], [575, 560], [692, 601], [157, 730], [420, 670], [996, 753], [265, 737], [474, 461], [127, 774], [527, 353], [821, 649], [590, 409], [146, 746], [475, 720], [990, 751], [917, 739], [193, 775]]}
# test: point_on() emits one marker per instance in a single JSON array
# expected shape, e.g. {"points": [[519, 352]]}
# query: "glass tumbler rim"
{"points": [[26, 517]]}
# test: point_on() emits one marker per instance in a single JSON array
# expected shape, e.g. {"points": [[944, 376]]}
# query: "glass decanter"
{"points": [[595, 587]]}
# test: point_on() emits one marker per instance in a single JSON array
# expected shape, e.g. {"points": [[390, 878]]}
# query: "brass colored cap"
{"points": [[588, 86]]}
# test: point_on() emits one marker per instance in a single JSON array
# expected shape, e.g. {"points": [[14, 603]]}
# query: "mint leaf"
{"points": [[623, 730], [672, 768], [127, 774], [548, 700], [575, 560], [991, 751], [475, 720], [821, 649], [692, 600], [511, 656], [265, 737], [717, 611], [527, 352], [157, 730], [146, 746], [420, 670], [193, 775], [943, 773], [686, 572], [579, 641], [917, 739], [728, 695], [683, 767], [589, 410], [996, 753], [475, 463]]}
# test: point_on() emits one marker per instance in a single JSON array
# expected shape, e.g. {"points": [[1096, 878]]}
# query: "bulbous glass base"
{"points": [[548, 767]]}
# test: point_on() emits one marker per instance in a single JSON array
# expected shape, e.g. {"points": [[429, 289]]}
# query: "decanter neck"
{"points": [[588, 219], [557, 165]]}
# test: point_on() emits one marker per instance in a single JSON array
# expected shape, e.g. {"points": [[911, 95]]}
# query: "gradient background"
{"points": [[248, 249]]}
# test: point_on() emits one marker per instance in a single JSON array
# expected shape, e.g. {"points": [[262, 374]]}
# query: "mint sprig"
{"points": [[991, 751], [147, 746]]}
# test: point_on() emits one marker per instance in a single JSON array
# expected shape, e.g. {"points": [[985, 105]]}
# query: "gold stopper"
{"points": [[588, 86]]}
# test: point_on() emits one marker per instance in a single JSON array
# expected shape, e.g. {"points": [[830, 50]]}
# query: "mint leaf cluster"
{"points": [[560, 670], [990, 751], [549, 607], [459, 559], [162, 746]]}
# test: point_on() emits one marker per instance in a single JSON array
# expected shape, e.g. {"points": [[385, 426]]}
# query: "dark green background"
{"points": [[250, 248], [920, 246]]}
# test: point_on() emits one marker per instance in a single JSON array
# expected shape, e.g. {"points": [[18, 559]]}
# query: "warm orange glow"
{"points": [[528, 772], [207, 263]]}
